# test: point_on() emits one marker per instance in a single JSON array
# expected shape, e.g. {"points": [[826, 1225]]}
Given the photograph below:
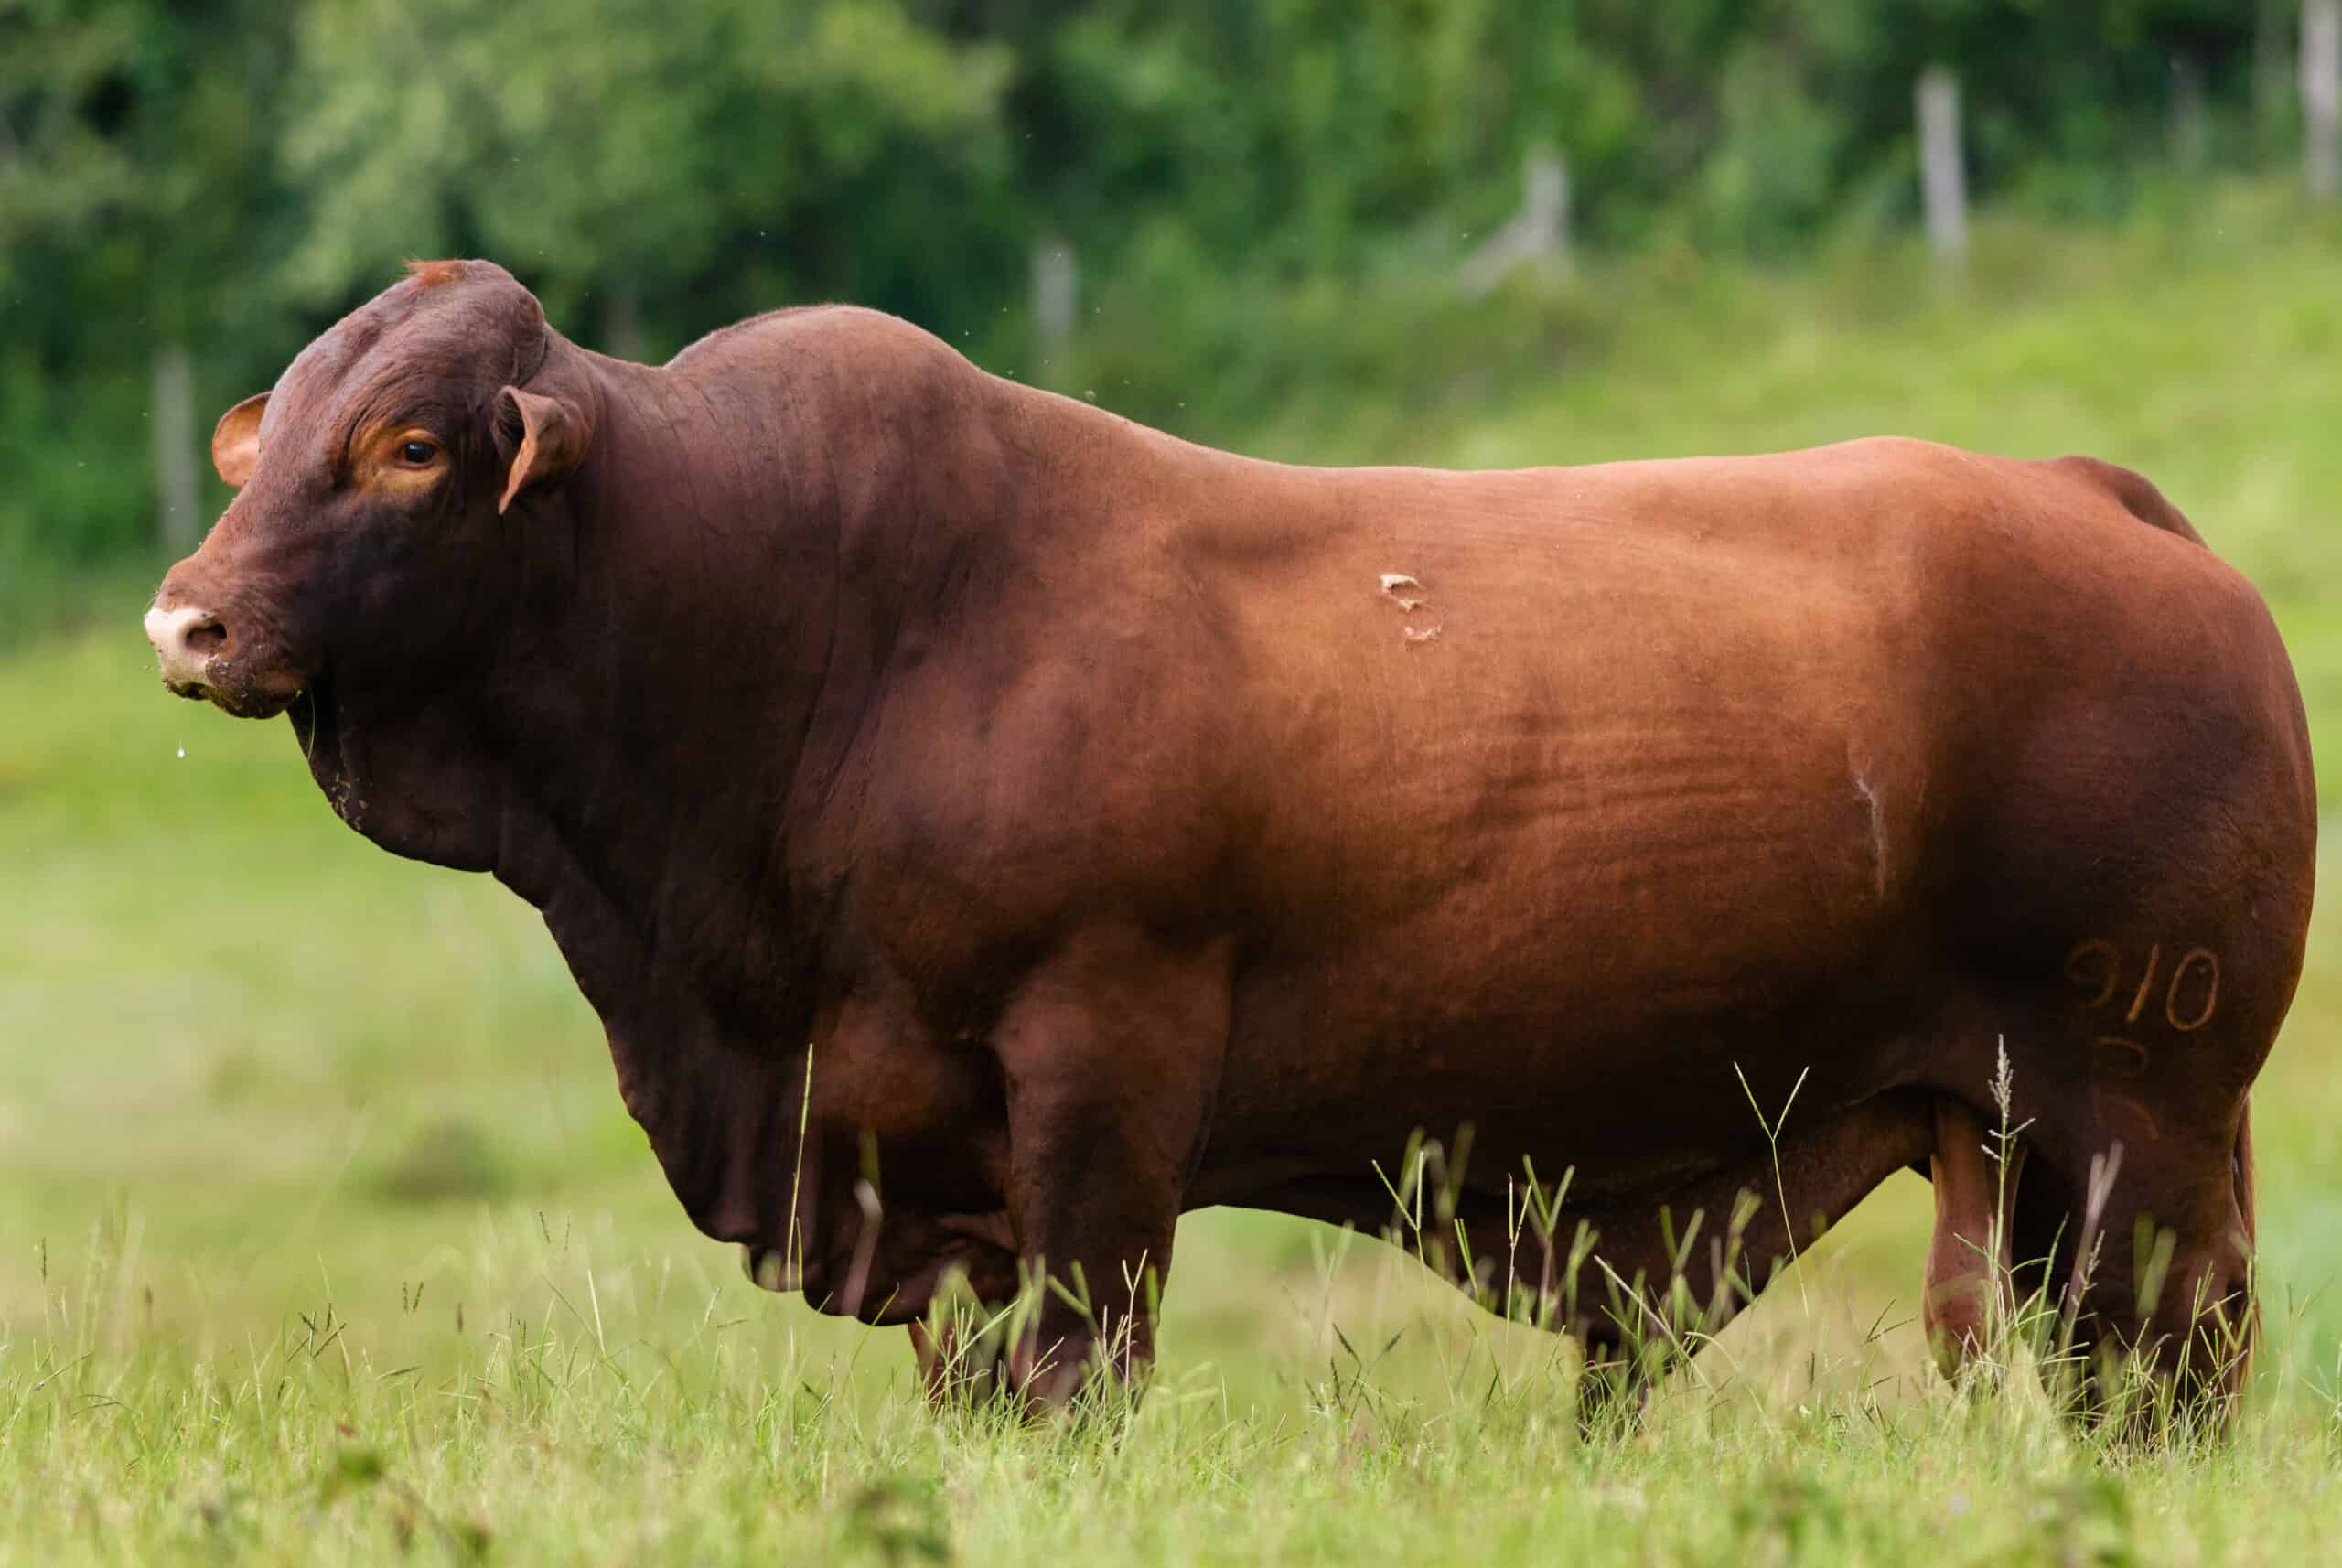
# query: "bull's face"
{"points": [[368, 538]]}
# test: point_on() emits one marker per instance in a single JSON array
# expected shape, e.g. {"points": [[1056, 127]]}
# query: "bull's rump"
{"points": [[1708, 764]]}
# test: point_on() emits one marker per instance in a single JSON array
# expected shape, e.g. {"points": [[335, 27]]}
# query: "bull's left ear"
{"points": [[546, 437]]}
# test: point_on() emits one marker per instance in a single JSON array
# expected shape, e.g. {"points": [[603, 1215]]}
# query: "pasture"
{"points": [[325, 1239]]}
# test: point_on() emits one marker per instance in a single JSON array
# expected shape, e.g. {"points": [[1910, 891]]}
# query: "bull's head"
{"points": [[367, 540]]}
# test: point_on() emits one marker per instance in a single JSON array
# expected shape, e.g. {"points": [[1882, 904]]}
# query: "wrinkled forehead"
{"points": [[452, 328]]}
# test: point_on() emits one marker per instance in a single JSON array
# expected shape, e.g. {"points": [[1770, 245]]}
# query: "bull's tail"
{"points": [[2241, 1160]]}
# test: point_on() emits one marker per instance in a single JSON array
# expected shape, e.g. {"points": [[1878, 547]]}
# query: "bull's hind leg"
{"points": [[2137, 899], [2147, 1260], [2134, 1229], [2135, 1218]]}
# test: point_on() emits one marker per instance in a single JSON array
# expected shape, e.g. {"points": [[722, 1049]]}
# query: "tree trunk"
{"points": [[2273, 79], [622, 323], [1943, 175], [2322, 96], [178, 499], [1538, 235], [1056, 297], [2190, 133]]}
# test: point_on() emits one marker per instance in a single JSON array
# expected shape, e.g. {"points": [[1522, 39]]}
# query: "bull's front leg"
{"points": [[1111, 1051]]}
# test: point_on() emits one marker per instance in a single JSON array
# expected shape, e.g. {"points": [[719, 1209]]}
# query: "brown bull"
{"points": [[1093, 826]]}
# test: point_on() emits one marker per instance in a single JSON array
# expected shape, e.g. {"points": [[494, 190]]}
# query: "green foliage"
{"points": [[643, 151], [1245, 178]]}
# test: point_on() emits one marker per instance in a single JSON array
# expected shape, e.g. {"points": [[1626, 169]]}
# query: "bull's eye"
{"points": [[417, 453]]}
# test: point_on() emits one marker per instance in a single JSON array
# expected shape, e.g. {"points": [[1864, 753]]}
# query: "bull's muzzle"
{"points": [[187, 639]]}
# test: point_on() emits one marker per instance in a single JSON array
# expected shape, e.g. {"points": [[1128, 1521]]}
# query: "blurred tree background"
{"points": [[1264, 197]]}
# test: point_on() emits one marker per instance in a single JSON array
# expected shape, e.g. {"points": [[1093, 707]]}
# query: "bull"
{"points": [[988, 828]]}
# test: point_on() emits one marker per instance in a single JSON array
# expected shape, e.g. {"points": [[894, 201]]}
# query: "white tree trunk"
{"points": [[1943, 172], [2191, 137], [1056, 297], [622, 337], [179, 498], [1538, 235], [2322, 96]]}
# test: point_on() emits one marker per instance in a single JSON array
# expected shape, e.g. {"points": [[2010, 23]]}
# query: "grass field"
{"points": [[323, 1237]]}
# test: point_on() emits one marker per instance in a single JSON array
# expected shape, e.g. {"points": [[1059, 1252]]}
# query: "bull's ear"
{"points": [[235, 440], [544, 437]]}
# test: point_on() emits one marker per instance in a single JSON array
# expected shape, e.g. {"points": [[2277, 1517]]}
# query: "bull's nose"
{"points": [[186, 638]]}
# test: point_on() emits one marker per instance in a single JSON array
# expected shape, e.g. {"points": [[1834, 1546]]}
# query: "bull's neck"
{"points": [[701, 632]]}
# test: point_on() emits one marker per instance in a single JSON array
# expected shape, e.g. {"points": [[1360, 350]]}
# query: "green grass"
{"points": [[323, 1237]]}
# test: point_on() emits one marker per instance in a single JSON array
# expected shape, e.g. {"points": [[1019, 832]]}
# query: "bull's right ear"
{"points": [[235, 440]]}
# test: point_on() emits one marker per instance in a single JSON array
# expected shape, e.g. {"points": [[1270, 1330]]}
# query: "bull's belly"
{"points": [[1634, 1068]]}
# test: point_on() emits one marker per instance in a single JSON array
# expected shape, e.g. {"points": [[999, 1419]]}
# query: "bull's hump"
{"points": [[846, 335]]}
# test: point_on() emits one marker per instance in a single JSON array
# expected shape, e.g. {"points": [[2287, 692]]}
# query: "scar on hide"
{"points": [[1392, 585], [1877, 831], [1394, 581], [1859, 763]]}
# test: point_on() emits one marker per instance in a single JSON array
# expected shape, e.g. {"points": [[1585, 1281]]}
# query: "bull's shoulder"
{"points": [[2135, 491]]}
